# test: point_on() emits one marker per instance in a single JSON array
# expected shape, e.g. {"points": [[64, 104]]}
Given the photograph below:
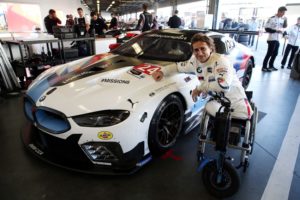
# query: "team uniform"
{"points": [[145, 21], [273, 24], [293, 44], [218, 75]]}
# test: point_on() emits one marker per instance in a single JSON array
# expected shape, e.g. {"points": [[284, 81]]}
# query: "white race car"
{"points": [[105, 113]]}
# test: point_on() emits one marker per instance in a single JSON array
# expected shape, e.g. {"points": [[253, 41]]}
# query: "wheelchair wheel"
{"points": [[230, 180], [253, 126]]}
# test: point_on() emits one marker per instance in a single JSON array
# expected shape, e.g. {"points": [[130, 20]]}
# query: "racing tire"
{"points": [[247, 74], [165, 125], [230, 180]]}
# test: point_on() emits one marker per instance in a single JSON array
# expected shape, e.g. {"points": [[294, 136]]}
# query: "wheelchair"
{"points": [[219, 176]]}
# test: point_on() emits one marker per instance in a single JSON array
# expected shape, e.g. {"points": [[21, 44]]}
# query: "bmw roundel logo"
{"points": [[42, 98], [199, 70]]}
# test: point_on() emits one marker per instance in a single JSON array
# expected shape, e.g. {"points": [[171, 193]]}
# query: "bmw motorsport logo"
{"points": [[199, 70], [105, 135], [42, 98]]}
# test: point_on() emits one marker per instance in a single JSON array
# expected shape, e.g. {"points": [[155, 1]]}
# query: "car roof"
{"points": [[184, 34]]}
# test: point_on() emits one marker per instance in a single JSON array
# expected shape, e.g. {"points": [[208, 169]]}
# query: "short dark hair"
{"points": [[176, 11], [282, 9], [145, 6], [51, 11], [200, 37], [93, 13], [79, 9]]}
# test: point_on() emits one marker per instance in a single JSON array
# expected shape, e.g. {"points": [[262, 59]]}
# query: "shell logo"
{"points": [[105, 135]]}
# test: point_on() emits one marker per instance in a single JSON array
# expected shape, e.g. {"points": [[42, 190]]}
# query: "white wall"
{"points": [[62, 7]]}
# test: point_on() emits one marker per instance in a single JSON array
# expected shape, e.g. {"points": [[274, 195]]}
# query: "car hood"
{"points": [[100, 82]]}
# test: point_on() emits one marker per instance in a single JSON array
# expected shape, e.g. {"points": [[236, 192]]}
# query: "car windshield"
{"points": [[157, 47]]}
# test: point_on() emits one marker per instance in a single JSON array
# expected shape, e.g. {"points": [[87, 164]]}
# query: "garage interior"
{"points": [[275, 160]]}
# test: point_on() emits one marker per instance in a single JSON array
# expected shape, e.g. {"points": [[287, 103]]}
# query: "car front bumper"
{"points": [[68, 154]]}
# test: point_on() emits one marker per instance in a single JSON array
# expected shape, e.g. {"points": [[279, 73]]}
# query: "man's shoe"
{"points": [[273, 69], [264, 69], [282, 66], [289, 67]]}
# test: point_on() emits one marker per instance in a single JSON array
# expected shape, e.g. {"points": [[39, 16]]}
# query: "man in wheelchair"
{"points": [[215, 73], [227, 110]]}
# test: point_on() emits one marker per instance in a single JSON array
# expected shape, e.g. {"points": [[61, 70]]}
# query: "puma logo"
{"points": [[132, 103]]}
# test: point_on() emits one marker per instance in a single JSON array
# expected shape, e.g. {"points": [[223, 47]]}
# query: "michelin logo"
{"points": [[107, 80]]}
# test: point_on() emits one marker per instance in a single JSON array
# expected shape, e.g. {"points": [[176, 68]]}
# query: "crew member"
{"points": [[51, 20], [97, 24], [274, 27]]}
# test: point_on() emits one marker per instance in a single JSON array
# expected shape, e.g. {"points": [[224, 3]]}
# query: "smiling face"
{"points": [[201, 51]]}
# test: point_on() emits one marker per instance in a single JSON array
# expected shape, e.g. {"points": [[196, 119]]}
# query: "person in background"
{"points": [[113, 22], [83, 20], [215, 73], [274, 27], [293, 34], [252, 26], [174, 21], [70, 21], [97, 24], [145, 19], [51, 20], [154, 23]]}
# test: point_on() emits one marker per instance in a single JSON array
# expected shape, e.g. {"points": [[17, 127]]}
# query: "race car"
{"points": [[105, 113]]}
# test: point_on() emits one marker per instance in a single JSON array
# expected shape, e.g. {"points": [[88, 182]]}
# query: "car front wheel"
{"points": [[247, 74], [165, 125]]}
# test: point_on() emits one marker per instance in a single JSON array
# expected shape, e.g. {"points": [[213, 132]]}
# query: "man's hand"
{"points": [[158, 75], [195, 94]]}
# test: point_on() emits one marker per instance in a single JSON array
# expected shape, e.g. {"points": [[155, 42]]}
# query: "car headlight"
{"points": [[102, 119]]}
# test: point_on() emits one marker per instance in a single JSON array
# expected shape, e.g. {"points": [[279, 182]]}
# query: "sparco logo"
{"points": [[106, 80]]}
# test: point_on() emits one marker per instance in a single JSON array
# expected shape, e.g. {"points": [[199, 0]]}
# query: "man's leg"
{"points": [[286, 53], [268, 55], [273, 57], [294, 50]]}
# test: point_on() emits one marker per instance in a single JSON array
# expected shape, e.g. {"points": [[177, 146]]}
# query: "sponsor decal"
{"points": [[209, 70], [164, 87], [136, 73], [108, 80], [175, 37], [78, 76], [222, 70], [42, 98], [199, 70], [211, 79], [132, 103], [147, 68], [151, 94], [200, 78], [35, 149], [105, 135], [187, 79], [221, 82]]}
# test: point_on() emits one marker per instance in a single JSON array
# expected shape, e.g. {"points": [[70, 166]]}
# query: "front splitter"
{"points": [[68, 155]]}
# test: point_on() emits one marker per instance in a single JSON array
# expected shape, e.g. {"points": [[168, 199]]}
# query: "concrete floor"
{"points": [[24, 177]]}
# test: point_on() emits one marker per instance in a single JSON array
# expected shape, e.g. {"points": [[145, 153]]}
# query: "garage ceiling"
{"points": [[118, 6]]}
